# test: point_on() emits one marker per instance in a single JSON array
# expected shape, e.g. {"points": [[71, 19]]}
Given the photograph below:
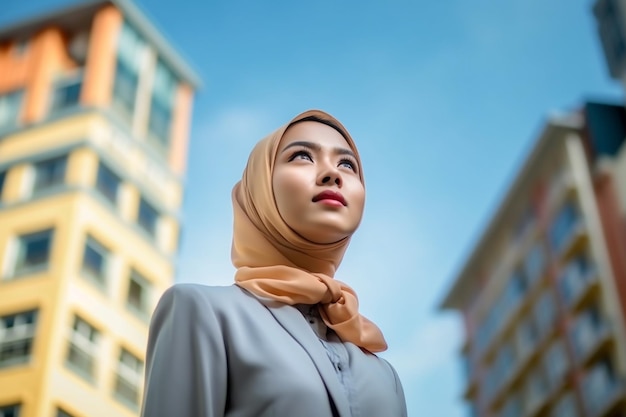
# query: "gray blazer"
{"points": [[220, 351]]}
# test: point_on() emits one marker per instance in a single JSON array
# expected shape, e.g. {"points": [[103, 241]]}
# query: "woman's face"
{"points": [[316, 183]]}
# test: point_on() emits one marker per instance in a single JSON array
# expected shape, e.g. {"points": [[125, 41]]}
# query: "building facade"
{"points": [[543, 294], [95, 110]]}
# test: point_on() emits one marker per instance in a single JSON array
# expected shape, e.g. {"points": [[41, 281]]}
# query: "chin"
{"points": [[320, 235]]}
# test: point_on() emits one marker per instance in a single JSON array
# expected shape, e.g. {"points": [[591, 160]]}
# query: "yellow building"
{"points": [[95, 109]]}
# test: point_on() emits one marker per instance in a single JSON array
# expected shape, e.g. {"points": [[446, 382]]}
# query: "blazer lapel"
{"points": [[293, 322]]}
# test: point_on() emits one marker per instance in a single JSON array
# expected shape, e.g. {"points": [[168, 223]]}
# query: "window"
{"points": [[67, 92], [95, 259], [599, 386], [33, 252], [148, 217], [63, 413], [574, 278], [545, 313], [161, 105], [108, 183], [125, 88], [131, 50], [566, 406], [138, 294], [3, 175], [83, 346], [50, 173], [556, 364], [17, 332], [525, 337], [128, 379], [535, 262], [10, 410], [563, 225], [10, 104], [536, 388], [589, 327]]}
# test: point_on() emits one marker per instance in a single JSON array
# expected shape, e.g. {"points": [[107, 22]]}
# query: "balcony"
{"points": [[536, 392], [557, 365], [590, 335], [578, 282], [568, 232], [603, 392], [565, 407]]}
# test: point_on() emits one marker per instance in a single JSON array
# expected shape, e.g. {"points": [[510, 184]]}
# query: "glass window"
{"points": [[95, 259], [563, 225], [556, 363], [138, 294], [545, 313], [148, 217], [130, 54], [63, 413], [513, 407], [587, 329], [599, 386], [526, 337], [565, 406], [161, 104], [50, 173], [535, 262], [3, 175], [108, 183], [33, 252], [83, 346], [129, 377], [10, 105], [10, 410], [67, 92], [125, 88], [574, 277], [536, 388], [17, 332]]}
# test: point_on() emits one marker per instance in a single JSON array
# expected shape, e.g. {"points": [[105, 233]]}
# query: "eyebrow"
{"points": [[317, 147]]}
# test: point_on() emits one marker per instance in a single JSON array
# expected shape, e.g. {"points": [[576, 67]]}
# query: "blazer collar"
{"points": [[295, 324]]}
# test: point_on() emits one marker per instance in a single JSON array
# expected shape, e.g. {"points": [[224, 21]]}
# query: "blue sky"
{"points": [[444, 100]]}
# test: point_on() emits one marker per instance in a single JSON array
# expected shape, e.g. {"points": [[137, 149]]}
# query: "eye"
{"points": [[348, 163], [301, 154]]}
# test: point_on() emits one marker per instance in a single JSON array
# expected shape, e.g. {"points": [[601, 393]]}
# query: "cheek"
{"points": [[286, 185]]}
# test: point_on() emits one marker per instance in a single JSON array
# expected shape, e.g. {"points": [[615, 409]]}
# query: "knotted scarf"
{"points": [[274, 262]]}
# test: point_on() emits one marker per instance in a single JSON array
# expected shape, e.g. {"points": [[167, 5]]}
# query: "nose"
{"points": [[330, 176]]}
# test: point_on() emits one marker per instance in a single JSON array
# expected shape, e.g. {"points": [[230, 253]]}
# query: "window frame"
{"points": [[141, 310], [20, 268], [130, 377], [99, 278], [104, 174], [148, 225], [65, 83], [58, 175], [86, 346], [26, 324], [5, 100]]}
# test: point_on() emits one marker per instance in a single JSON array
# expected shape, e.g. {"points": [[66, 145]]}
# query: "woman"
{"points": [[287, 339]]}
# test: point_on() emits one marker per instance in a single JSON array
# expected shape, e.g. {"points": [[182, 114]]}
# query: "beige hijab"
{"points": [[275, 262]]}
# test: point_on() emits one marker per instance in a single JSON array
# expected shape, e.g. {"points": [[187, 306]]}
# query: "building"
{"points": [[95, 111], [611, 19], [543, 294]]}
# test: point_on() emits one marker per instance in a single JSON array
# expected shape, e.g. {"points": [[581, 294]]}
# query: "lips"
{"points": [[330, 195]]}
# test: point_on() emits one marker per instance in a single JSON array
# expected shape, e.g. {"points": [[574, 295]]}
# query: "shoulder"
{"points": [[204, 297]]}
